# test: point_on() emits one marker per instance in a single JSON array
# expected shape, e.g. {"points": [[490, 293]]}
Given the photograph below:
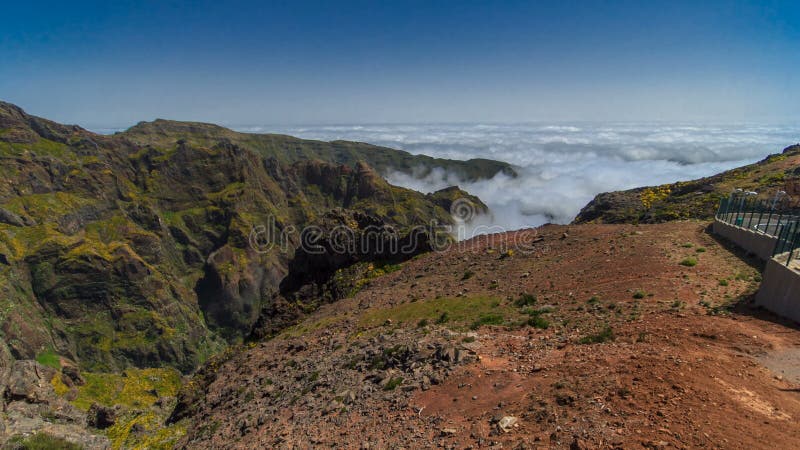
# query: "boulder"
{"points": [[506, 423], [14, 219], [101, 417], [30, 381], [6, 362], [71, 375]]}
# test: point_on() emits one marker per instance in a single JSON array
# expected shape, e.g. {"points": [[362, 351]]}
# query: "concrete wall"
{"points": [[780, 289], [759, 244]]}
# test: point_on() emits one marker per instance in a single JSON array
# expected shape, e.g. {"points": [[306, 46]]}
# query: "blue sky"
{"points": [[115, 63]]}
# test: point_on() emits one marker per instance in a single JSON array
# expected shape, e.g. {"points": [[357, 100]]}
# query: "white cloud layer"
{"points": [[562, 167]]}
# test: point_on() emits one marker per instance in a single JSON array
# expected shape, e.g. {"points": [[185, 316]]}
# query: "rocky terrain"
{"points": [[588, 336], [696, 199], [158, 247]]}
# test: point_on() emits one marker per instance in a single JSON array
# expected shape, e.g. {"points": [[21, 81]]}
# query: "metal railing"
{"points": [[766, 216], [788, 243], [774, 217]]}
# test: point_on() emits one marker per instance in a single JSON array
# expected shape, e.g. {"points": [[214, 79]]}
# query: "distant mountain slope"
{"points": [[288, 149], [698, 198], [135, 249]]}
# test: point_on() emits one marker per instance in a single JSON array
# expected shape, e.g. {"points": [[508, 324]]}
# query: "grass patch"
{"points": [[605, 335], [456, 311], [304, 328], [49, 358], [41, 441], [689, 262], [487, 319]]}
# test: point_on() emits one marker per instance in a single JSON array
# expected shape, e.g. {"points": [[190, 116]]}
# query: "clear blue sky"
{"points": [[115, 63]]}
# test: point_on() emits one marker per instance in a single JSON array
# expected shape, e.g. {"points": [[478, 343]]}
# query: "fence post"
{"points": [[756, 207], [723, 208], [749, 210], [769, 220], [794, 245], [777, 249], [760, 214]]}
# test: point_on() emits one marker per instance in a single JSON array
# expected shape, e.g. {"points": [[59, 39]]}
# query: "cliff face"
{"points": [[696, 199], [138, 249]]}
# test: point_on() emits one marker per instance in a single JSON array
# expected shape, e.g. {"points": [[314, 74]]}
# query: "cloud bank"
{"points": [[562, 167]]}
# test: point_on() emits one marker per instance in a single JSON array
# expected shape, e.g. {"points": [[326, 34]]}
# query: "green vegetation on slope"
{"points": [[136, 250], [288, 149], [697, 199]]}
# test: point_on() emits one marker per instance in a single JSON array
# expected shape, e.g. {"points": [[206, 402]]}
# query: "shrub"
{"points": [[539, 322], [488, 319], [689, 262], [393, 383], [42, 441], [639, 294], [723, 282], [605, 335], [700, 249], [507, 254], [525, 300], [467, 275]]}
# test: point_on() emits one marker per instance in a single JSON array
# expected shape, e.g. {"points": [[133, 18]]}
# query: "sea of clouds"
{"points": [[562, 167]]}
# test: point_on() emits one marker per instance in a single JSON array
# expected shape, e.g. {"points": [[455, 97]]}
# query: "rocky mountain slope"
{"points": [[134, 249], [697, 199], [580, 337], [160, 246]]}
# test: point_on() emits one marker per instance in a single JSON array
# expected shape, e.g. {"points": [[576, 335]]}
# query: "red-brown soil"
{"points": [[687, 365]]}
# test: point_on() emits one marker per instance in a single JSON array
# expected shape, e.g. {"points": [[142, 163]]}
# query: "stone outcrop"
{"points": [[30, 405]]}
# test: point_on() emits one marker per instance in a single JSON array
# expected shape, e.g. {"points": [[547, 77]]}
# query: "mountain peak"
{"points": [[17, 126]]}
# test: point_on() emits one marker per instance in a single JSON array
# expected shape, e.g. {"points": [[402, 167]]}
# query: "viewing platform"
{"points": [[771, 231]]}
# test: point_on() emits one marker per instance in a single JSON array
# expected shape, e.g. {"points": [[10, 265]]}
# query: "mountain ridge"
{"points": [[695, 199], [132, 221]]}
